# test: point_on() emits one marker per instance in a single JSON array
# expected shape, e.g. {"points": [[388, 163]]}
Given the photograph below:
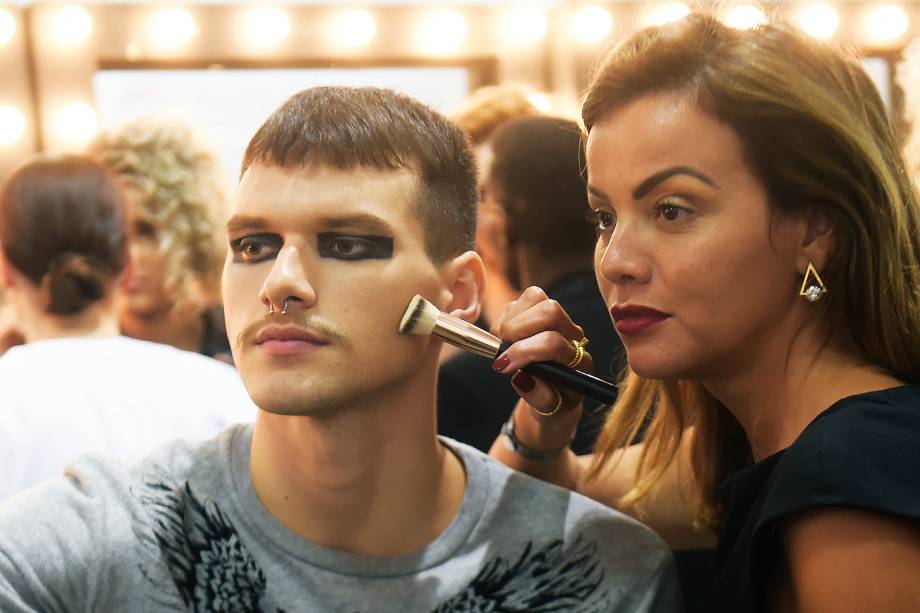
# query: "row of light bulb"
{"points": [[75, 124], [445, 30], [438, 31]]}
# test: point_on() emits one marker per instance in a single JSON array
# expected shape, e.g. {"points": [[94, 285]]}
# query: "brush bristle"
{"points": [[420, 317]]}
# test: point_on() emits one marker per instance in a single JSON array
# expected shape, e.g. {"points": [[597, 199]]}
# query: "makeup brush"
{"points": [[423, 318]]}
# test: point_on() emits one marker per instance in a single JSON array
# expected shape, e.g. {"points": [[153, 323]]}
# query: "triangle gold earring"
{"points": [[812, 285]]}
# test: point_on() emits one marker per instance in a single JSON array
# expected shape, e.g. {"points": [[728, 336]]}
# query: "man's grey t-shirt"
{"points": [[184, 530]]}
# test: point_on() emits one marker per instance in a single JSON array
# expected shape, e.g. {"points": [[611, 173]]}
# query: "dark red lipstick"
{"points": [[634, 319]]}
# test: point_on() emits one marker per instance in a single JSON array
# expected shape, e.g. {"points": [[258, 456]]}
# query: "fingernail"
{"points": [[501, 363], [523, 382]]}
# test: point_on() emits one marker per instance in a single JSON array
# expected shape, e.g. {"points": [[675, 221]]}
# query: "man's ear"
{"points": [[817, 242], [464, 279]]}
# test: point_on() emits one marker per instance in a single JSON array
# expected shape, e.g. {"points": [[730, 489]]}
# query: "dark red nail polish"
{"points": [[501, 363], [523, 382]]}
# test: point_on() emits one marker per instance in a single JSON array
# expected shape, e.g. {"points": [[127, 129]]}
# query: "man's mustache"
{"points": [[299, 319]]}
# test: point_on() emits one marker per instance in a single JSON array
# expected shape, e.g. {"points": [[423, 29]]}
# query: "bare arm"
{"points": [[851, 560]]}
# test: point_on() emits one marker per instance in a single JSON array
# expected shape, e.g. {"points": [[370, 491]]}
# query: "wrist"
{"points": [[540, 447]]}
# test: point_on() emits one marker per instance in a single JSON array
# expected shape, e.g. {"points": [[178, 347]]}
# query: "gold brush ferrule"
{"points": [[466, 336]]}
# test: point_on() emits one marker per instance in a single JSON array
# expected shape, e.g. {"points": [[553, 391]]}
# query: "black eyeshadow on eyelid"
{"points": [[382, 245], [264, 239]]}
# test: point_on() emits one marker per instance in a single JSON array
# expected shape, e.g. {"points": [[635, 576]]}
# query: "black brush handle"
{"points": [[571, 379]]}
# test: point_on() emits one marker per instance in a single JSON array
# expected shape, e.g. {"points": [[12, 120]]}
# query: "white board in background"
{"points": [[227, 106], [878, 70]]}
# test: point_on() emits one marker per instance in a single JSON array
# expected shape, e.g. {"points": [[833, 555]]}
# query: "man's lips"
{"points": [[285, 340], [633, 319]]}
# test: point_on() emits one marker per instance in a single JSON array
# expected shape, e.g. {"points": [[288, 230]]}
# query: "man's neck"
{"points": [[167, 327], [372, 480]]}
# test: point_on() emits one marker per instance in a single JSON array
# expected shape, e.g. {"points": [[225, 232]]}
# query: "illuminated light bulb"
{"points": [[667, 13], [7, 26], [541, 101], [592, 23], [76, 123], [12, 125], [353, 28], [819, 20], [72, 25], [441, 31], [887, 23], [266, 25], [745, 16], [525, 24], [172, 27]]}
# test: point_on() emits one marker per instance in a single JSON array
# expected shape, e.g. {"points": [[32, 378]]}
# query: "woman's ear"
{"points": [[464, 278], [817, 243]]}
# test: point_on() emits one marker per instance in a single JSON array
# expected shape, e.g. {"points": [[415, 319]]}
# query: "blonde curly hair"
{"points": [[491, 106], [181, 191]]}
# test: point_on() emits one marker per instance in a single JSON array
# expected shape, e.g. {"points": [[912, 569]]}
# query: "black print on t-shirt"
{"points": [[214, 572], [211, 568], [551, 579]]}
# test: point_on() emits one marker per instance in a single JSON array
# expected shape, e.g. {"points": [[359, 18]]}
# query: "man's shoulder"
{"points": [[542, 529], [98, 479], [537, 505], [100, 520]]}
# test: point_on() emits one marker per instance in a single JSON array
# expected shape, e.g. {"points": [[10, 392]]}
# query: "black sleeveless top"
{"points": [[863, 453]]}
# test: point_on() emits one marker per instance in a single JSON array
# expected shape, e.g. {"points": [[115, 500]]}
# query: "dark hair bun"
{"points": [[74, 281]]}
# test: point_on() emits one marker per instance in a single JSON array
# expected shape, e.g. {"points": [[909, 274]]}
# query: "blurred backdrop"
{"points": [[68, 70]]}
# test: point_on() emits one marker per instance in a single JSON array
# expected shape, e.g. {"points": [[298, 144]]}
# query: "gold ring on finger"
{"points": [[552, 411], [579, 347]]}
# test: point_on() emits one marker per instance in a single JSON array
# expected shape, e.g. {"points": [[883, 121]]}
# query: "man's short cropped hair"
{"points": [[367, 127]]}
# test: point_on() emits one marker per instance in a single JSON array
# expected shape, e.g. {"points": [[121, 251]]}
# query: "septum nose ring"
{"points": [[271, 308]]}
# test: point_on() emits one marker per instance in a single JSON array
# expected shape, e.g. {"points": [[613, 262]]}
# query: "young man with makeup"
{"points": [[340, 497]]}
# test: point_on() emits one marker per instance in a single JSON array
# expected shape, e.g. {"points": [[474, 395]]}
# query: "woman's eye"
{"points": [[601, 220], [145, 229], [671, 212]]}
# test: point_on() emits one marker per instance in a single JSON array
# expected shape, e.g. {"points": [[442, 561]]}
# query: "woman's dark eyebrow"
{"points": [[649, 184]]}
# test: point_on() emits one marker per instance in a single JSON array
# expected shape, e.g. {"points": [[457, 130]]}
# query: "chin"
{"points": [[657, 367], [304, 398]]}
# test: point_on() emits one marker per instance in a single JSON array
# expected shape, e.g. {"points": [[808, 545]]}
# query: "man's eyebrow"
{"points": [[659, 177], [363, 222], [238, 223]]}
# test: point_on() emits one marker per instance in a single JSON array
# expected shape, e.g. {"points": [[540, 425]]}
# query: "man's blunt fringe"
{"points": [[368, 127]]}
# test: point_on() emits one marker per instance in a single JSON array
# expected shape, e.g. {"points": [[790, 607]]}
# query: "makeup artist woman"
{"points": [[757, 245]]}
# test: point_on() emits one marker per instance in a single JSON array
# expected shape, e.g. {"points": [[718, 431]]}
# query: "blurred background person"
{"points": [[532, 175], [175, 192], [77, 385], [488, 109]]}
